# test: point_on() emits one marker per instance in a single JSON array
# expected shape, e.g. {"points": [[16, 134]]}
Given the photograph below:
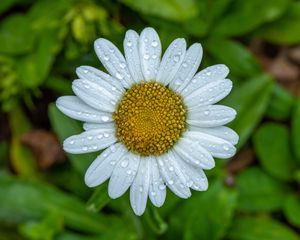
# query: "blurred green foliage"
{"points": [[41, 44]]}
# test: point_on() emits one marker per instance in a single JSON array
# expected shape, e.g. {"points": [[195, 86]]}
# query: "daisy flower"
{"points": [[154, 118]]}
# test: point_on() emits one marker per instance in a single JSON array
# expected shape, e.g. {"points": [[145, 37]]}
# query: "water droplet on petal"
{"points": [[176, 58], [206, 112], [225, 147], [122, 65], [105, 118], [146, 56], [154, 43], [124, 163], [106, 135], [84, 148], [162, 187], [71, 142], [119, 76], [170, 182], [129, 43]]}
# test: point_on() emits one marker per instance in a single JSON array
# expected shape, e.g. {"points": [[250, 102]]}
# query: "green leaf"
{"points": [[259, 192], [24, 200], [6, 4], [99, 199], [254, 228], [296, 129], [292, 209], [13, 31], [250, 101], [175, 10], [64, 127], [281, 103], [239, 59], [34, 68], [272, 145], [22, 159], [206, 215], [285, 30], [245, 16]]}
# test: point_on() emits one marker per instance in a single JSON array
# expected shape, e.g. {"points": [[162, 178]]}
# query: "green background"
{"points": [[254, 196]]}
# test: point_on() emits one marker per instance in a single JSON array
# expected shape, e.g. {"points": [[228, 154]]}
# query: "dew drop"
{"points": [[170, 182], [84, 148], [141, 189], [106, 135], [105, 118], [162, 187], [100, 136], [176, 58], [85, 71], [71, 142], [112, 163], [113, 148], [119, 76], [122, 65], [184, 65], [153, 193], [146, 56], [124, 163], [171, 169], [225, 147], [106, 58], [129, 43], [206, 112], [90, 137], [154, 43]]}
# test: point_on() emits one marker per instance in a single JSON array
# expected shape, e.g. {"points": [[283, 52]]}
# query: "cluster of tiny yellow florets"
{"points": [[149, 118]]}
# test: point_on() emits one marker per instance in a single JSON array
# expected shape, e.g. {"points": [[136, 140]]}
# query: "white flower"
{"points": [[155, 118]]}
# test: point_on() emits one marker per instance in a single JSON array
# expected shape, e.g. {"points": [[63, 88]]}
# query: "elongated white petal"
{"points": [[90, 141], [123, 175], [102, 167], [171, 61], [132, 55], [221, 132], [75, 108], [91, 126], [93, 74], [172, 175], [211, 116], [196, 178], [193, 153], [218, 147], [140, 187], [113, 60], [188, 68], [150, 52], [209, 94], [206, 76], [95, 95], [157, 188]]}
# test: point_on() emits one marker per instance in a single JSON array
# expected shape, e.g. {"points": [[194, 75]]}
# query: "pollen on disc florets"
{"points": [[149, 118]]}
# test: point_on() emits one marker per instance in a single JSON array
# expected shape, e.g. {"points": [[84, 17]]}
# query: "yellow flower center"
{"points": [[150, 118]]}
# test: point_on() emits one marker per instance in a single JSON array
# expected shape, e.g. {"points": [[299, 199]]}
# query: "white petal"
{"points": [[90, 141], [95, 95], [90, 126], [157, 189], [171, 61], [102, 167], [132, 55], [193, 153], [206, 76], [210, 116], [123, 175], [172, 175], [222, 132], [150, 52], [93, 74], [209, 94], [196, 178], [140, 187], [218, 147], [113, 60], [188, 67], [73, 107]]}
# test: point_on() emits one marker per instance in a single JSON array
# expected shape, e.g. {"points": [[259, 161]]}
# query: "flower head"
{"points": [[156, 119]]}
